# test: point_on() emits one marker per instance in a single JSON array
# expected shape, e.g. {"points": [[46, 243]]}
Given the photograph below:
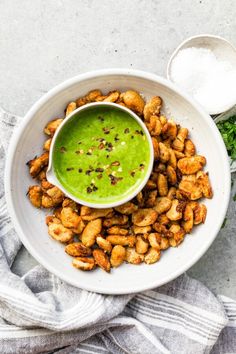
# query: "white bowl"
{"points": [[51, 176], [222, 49], [29, 222]]}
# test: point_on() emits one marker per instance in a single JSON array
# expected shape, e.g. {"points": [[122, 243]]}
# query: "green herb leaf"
{"points": [[234, 198], [224, 223], [227, 129]]}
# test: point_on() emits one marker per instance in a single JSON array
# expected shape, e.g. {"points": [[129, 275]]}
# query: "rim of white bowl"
{"points": [[54, 180], [107, 72], [224, 107]]}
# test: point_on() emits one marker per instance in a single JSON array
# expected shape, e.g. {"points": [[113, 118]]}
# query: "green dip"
{"points": [[101, 155]]}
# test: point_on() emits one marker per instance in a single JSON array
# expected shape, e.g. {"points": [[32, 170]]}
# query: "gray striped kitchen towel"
{"points": [[39, 313]]}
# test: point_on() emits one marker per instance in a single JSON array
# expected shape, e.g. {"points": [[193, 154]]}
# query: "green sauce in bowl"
{"points": [[101, 155]]}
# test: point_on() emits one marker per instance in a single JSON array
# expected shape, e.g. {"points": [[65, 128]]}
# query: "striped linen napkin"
{"points": [[39, 313]]}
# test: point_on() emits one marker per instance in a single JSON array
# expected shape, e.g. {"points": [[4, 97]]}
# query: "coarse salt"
{"points": [[211, 81]]}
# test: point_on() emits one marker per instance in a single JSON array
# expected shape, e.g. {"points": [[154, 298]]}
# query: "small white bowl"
{"points": [[222, 49], [29, 222], [51, 176]]}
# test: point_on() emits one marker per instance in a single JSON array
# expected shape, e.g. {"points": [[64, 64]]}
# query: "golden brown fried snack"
{"points": [[127, 208], [164, 154], [52, 126], [57, 231], [89, 214], [175, 212], [189, 148], [178, 143], [191, 165], [102, 260], [91, 230], [70, 108], [112, 96], [133, 101], [162, 185], [133, 257], [144, 217], [188, 219], [118, 255], [52, 197], [104, 244], [37, 164], [141, 245], [90, 97], [128, 240], [35, 195], [154, 126], [152, 256], [77, 249], [84, 263], [204, 183], [117, 230], [47, 144], [163, 204], [152, 108], [116, 220]]}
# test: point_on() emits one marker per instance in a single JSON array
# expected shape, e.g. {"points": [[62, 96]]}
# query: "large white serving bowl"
{"points": [[29, 222]]}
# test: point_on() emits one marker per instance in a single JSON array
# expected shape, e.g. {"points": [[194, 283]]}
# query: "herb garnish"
{"points": [[70, 169], [224, 223], [227, 129], [234, 198]]}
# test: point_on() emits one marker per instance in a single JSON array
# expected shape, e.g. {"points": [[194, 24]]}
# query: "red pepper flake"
{"points": [[99, 176], [80, 170], [116, 137], [89, 190], [99, 169], [114, 179], [95, 188], [107, 156], [132, 136], [62, 149], [126, 131], [115, 163], [70, 169], [89, 153], [109, 147], [101, 118], [106, 130], [79, 142], [132, 173], [101, 146]]}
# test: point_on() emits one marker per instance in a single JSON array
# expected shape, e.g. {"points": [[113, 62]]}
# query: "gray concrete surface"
{"points": [[44, 42]]}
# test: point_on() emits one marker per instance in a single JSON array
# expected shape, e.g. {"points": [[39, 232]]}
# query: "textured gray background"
{"points": [[44, 42]]}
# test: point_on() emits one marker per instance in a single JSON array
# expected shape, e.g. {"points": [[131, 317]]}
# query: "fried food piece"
{"points": [[77, 249], [144, 217], [163, 219], [91, 230], [67, 202], [36, 165], [155, 148], [175, 212], [141, 229], [178, 154], [117, 255], [57, 213], [57, 231], [112, 96], [152, 108], [161, 229], [42, 174], [152, 256], [116, 230], [84, 263], [72, 220], [46, 185], [191, 165], [128, 240], [162, 185], [70, 108], [187, 224], [178, 143], [102, 260], [104, 244], [171, 175], [52, 126], [141, 245], [150, 185], [172, 160], [163, 204], [133, 257], [154, 239], [35, 195], [204, 183], [190, 189], [52, 197], [171, 193], [171, 129], [89, 214], [47, 144], [154, 126], [189, 148], [116, 220], [127, 208], [200, 212], [179, 234], [133, 101], [140, 199], [151, 200], [90, 97], [164, 154], [164, 243]]}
